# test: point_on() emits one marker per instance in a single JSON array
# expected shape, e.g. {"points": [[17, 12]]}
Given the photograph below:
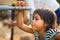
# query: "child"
{"points": [[52, 4], [43, 25]]}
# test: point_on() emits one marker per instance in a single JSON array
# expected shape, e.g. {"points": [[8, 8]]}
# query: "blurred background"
{"points": [[5, 19]]}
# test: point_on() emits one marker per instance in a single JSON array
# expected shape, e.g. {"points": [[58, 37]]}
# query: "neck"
{"points": [[42, 34]]}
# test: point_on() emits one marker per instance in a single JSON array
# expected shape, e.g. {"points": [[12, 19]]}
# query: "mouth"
{"points": [[32, 26]]}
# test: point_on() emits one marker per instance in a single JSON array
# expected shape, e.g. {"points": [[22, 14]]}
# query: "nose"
{"points": [[32, 22]]}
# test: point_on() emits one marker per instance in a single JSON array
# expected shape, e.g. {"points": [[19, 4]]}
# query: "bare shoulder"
{"points": [[57, 36]]}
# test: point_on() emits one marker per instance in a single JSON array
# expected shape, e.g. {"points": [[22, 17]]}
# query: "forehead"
{"points": [[35, 14]]}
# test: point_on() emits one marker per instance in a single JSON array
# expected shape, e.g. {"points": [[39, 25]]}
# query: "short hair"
{"points": [[48, 17]]}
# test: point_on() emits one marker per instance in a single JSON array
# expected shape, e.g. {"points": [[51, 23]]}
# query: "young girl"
{"points": [[52, 4], [43, 25]]}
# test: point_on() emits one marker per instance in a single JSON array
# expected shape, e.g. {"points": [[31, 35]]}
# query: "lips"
{"points": [[32, 24]]}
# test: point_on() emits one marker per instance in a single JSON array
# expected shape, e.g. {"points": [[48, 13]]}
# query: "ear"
{"points": [[45, 25]]}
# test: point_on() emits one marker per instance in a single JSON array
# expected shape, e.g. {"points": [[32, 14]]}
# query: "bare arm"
{"points": [[20, 22], [57, 36]]}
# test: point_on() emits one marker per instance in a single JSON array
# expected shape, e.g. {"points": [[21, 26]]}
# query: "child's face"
{"points": [[37, 23]]}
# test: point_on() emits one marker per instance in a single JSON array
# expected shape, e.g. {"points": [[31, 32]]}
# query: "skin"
{"points": [[37, 25], [57, 36], [20, 23]]}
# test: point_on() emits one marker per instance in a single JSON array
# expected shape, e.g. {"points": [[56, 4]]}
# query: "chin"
{"points": [[35, 29]]}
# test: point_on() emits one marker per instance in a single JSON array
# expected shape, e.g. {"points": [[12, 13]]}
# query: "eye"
{"points": [[36, 19]]}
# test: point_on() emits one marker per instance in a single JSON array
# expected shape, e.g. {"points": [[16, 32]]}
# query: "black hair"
{"points": [[47, 16]]}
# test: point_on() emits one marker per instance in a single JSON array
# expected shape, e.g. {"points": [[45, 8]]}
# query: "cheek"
{"points": [[40, 23], [37, 25]]}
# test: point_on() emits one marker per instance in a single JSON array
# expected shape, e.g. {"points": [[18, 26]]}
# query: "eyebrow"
{"points": [[35, 17]]}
